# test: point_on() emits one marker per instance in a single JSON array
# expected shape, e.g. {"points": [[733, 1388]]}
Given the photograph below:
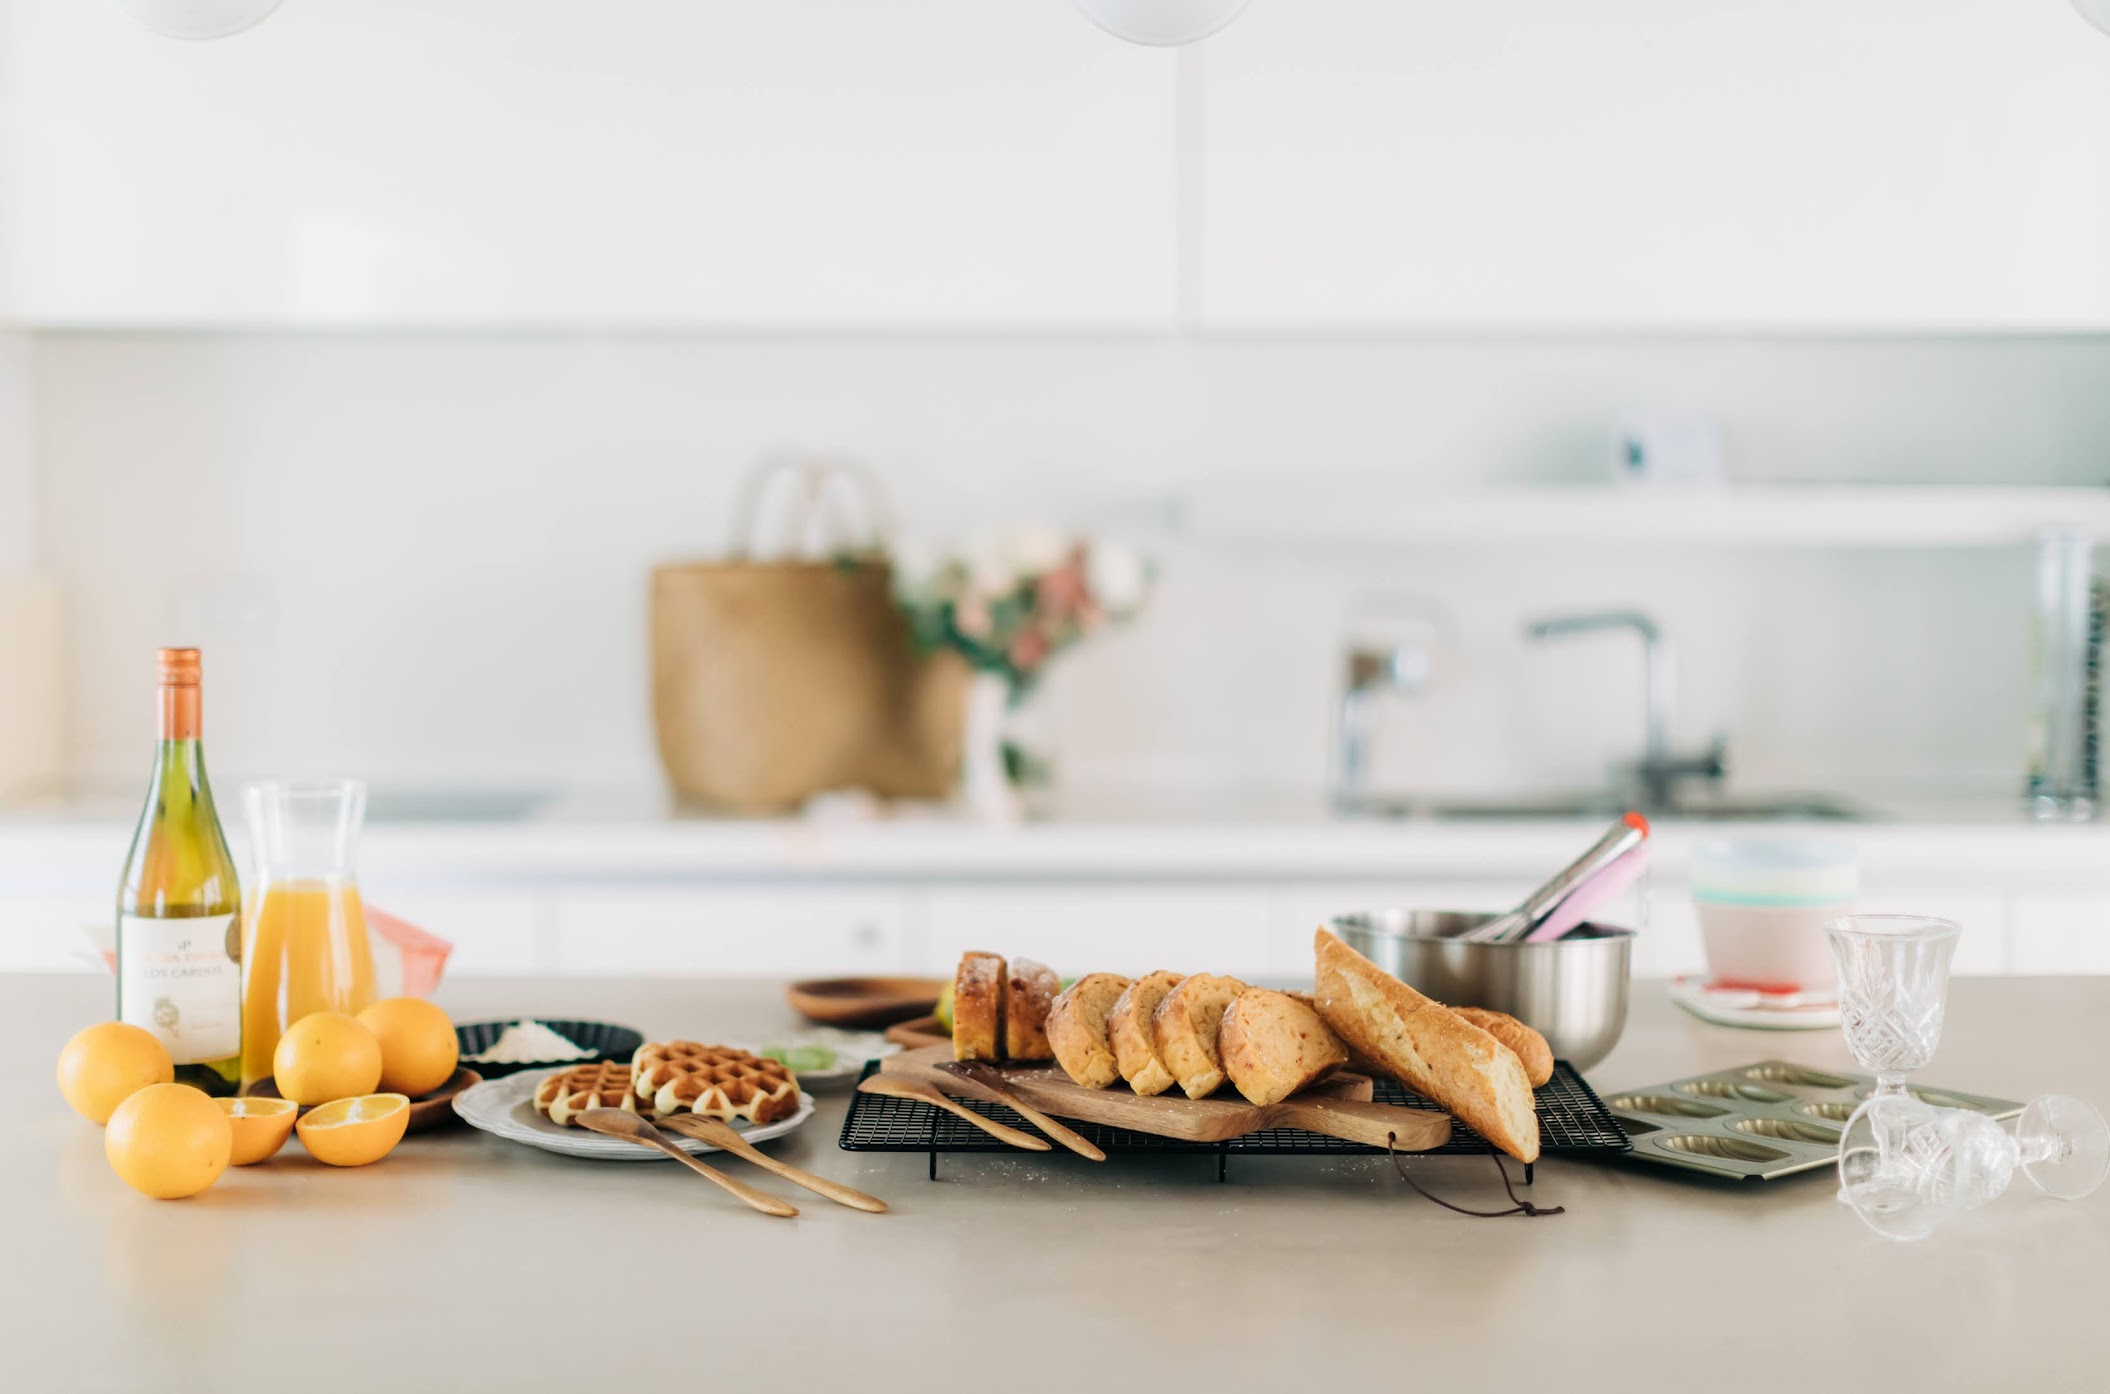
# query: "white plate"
{"points": [[852, 1049], [506, 1107], [1743, 1009]]}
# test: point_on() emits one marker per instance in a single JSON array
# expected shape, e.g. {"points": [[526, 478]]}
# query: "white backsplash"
{"points": [[422, 558]]}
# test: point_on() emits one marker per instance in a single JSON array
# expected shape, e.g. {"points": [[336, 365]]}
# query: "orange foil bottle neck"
{"points": [[179, 694]]}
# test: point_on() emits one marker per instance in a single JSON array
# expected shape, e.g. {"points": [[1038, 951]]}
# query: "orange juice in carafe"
{"points": [[304, 943], [308, 951]]}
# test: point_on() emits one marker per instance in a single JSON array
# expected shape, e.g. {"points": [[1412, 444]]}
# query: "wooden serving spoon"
{"points": [[986, 1082], [928, 1094], [616, 1123], [724, 1135]]}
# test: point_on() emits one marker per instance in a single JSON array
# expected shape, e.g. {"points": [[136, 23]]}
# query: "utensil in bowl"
{"points": [[1627, 833], [1572, 991], [1593, 894]]}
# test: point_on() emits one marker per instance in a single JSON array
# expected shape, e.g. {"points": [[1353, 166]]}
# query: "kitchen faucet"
{"points": [[1658, 770], [1373, 669]]}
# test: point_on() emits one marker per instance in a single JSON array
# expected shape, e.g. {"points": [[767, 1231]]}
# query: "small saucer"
{"points": [[1750, 1008]]}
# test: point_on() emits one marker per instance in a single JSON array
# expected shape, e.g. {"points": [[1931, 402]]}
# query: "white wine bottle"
{"points": [[179, 932]]}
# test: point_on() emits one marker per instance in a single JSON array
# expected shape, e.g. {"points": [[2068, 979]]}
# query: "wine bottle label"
{"points": [[182, 980]]}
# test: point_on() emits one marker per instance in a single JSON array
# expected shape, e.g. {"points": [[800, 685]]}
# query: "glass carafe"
{"points": [[304, 940]]}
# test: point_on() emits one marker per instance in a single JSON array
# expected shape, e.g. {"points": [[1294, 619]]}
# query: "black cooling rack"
{"points": [[1572, 1119]]}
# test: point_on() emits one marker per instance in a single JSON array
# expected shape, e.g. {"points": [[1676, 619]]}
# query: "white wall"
{"points": [[423, 558], [17, 456]]}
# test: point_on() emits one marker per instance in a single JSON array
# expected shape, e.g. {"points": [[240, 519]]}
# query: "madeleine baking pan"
{"points": [[1758, 1121]]}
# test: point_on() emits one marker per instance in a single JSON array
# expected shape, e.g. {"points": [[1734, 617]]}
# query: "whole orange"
{"points": [[107, 1063], [418, 1047], [325, 1056], [168, 1141]]}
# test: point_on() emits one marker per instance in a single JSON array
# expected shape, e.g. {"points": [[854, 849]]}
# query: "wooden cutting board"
{"points": [[1339, 1107], [923, 1031]]}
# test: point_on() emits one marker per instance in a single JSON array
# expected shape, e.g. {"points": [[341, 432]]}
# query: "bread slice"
{"points": [[1186, 1025], [1427, 1046], [978, 1007], [1077, 1029], [1129, 1032], [1356, 1063], [1532, 1051], [1273, 1045], [1029, 995]]}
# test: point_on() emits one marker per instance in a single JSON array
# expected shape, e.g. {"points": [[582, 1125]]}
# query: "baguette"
{"points": [[1135, 1044], [1531, 1048], [978, 1007], [1029, 995], [1427, 1046], [1077, 1029], [1273, 1045], [1187, 1026]]}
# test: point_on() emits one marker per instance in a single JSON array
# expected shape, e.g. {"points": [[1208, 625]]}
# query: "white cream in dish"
{"points": [[525, 1042]]}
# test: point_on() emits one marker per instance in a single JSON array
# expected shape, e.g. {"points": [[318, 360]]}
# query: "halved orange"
{"points": [[353, 1132], [261, 1126]]}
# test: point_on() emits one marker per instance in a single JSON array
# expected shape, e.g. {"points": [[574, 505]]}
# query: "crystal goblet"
{"points": [[1893, 990], [1907, 1167]]}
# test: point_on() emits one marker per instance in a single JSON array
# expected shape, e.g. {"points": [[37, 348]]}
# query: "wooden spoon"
{"points": [[724, 1135], [984, 1081], [616, 1123], [928, 1094]]}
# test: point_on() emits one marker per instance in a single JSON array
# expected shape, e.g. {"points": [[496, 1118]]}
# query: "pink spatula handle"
{"points": [[1600, 889]]}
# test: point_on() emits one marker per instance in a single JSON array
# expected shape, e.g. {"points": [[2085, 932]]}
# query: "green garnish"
{"points": [[797, 1058]]}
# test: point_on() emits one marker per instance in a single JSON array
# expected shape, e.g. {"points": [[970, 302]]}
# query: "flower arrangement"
{"points": [[1008, 605]]}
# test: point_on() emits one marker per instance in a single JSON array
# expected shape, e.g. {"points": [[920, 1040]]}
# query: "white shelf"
{"points": [[1782, 515]]}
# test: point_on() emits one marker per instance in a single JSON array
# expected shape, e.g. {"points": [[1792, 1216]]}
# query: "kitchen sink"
{"points": [[1814, 808]]}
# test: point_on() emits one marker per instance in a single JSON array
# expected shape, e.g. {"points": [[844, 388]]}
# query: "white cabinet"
{"points": [[1093, 929], [1884, 164], [1983, 947], [493, 932], [960, 164], [51, 933], [706, 163], [2062, 934], [727, 931]]}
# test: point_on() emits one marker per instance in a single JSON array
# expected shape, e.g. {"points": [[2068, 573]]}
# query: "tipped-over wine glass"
{"points": [[1907, 1167]]}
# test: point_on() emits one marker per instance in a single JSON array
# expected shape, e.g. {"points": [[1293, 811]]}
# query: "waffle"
{"points": [[567, 1093], [713, 1080]]}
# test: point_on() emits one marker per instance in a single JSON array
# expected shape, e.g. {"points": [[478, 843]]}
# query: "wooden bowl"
{"points": [[864, 1002], [427, 1111]]}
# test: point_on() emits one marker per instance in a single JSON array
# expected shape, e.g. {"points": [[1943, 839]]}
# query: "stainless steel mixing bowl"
{"points": [[1572, 990]]}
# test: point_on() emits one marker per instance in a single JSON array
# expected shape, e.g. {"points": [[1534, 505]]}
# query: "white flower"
{"points": [[1036, 551], [1117, 578]]}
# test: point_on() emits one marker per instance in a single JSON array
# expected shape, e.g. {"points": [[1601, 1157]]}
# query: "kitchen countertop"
{"points": [[465, 1263]]}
